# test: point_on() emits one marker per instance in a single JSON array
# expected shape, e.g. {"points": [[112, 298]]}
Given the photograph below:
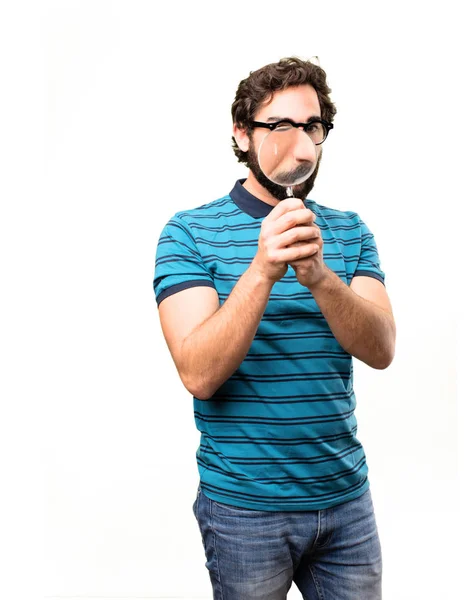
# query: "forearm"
{"points": [[364, 330], [215, 349]]}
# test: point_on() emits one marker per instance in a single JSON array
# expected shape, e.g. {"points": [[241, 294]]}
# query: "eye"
{"points": [[283, 126], [313, 127]]}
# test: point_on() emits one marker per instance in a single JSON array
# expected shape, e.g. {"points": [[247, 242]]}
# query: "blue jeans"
{"points": [[330, 554]]}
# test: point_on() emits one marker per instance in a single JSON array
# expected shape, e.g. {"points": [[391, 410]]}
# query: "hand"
{"points": [[288, 235], [311, 269]]}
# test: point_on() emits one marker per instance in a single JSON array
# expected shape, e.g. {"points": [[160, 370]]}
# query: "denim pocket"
{"points": [[225, 510]]}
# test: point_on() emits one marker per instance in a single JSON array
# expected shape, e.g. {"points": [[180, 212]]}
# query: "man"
{"points": [[263, 302]]}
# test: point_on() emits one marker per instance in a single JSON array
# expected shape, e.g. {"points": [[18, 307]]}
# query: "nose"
{"points": [[303, 148]]}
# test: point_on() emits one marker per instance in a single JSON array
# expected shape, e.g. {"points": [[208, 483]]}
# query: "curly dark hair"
{"points": [[260, 86]]}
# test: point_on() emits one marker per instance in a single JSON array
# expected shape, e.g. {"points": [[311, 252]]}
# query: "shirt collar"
{"points": [[252, 205], [249, 203]]}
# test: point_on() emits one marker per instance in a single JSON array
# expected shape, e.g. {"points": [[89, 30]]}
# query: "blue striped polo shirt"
{"points": [[280, 433]]}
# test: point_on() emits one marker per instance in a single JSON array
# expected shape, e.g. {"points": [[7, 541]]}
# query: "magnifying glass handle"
{"points": [[289, 192]]}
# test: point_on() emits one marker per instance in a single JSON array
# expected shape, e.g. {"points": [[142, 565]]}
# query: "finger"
{"points": [[293, 218], [294, 253], [283, 207], [298, 235], [306, 261]]}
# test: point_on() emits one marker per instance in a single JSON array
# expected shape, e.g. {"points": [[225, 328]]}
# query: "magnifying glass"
{"points": [[287, 156]]}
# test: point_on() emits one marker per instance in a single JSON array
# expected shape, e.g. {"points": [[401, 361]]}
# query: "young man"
{"points": [[263, 302]]}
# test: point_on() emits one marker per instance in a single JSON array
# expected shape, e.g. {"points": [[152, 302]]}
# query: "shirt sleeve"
{"points": [[179, 264], [369, 264]]}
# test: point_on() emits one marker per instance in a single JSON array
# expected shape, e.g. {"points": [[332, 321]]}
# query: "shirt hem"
{"points": [[283, 507], [178, 287], [365, 273]]}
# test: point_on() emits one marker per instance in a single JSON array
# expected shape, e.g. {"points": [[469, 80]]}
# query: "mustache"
{"points": [[289, 177]]}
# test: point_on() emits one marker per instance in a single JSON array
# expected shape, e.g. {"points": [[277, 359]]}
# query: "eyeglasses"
{"points": [[316, 129]]}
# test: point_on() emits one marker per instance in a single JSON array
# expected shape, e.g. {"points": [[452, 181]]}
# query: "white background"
{"points": [[116, 116]]}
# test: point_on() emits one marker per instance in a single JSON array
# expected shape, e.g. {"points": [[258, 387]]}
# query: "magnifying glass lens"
{"points": [[287, 156]]}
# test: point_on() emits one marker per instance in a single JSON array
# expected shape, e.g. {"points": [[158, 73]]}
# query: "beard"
{"points": [[279, 192]]}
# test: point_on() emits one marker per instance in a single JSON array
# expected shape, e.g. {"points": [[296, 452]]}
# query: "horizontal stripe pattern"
{"points": [[280, 433]]}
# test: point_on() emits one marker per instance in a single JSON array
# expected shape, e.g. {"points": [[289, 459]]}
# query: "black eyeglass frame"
{"points": [[328, 126]]}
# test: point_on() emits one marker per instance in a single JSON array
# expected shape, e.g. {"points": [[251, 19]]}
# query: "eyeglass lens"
{"points": [[315, 130]]}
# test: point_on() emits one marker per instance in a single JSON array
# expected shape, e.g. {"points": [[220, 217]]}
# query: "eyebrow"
{"points": [[271, 119]]}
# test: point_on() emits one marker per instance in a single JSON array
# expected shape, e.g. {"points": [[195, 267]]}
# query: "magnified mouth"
{"points": [[298, 174]]}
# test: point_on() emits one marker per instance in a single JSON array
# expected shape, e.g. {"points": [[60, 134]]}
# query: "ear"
{"points": [[241, 137]]}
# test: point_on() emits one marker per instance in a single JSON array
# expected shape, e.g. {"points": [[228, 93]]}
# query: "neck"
{"points": [[255, 188]]}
